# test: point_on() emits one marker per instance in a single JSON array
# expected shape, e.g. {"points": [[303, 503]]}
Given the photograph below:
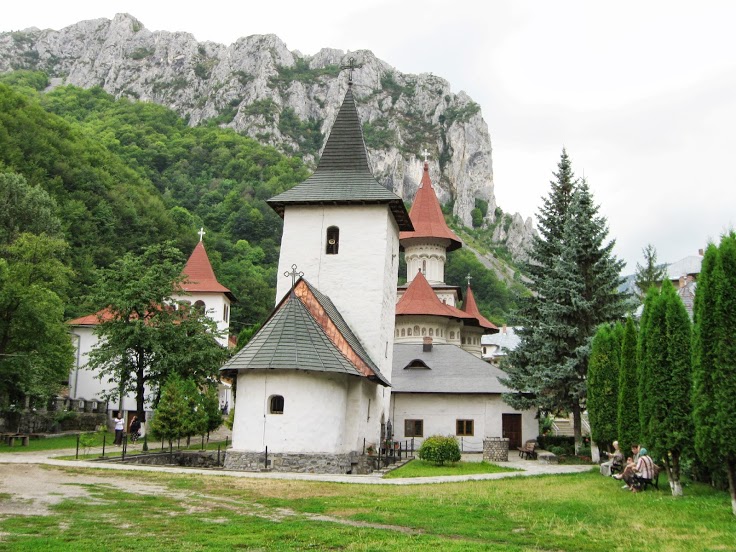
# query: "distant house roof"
{"points": [[506, 339], [420, 299], [306, 332], [200, 278], [471, 307], [426, 215], [343, 175], [452, 370], [92, 319], [684, 267]]}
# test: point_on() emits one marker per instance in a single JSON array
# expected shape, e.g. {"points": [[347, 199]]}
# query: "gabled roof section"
{"points": [[426, 215], [302, 334], [343, 175], [420, 298], [471, 307], [200, 278]]}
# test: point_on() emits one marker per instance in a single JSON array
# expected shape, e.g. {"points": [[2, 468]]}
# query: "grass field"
{"points": [[422, 468], [583, 512]]}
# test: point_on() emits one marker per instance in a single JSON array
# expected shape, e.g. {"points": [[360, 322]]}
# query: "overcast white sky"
{"points": [[642, 94]]}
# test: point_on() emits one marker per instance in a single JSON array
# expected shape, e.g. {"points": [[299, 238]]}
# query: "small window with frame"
{"points": [[464, 428], [333, 240], [413, 428], [276, 404]]}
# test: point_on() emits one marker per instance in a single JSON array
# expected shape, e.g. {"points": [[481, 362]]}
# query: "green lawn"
{"points": [[422, 468], [581, 512], [51, 443]]}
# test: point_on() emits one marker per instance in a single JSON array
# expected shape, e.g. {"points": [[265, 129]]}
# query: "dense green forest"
{"points": [[126, 174]]}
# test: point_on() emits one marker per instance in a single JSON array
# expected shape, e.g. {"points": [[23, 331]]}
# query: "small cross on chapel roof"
{"points": [[468, 278], [201, 233], [425, 153], [294, 273]]}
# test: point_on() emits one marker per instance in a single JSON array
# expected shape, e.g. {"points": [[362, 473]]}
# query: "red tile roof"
{"points": [[92, 319], [426, 215], [420, 298], [199, 274], [470, 307]]}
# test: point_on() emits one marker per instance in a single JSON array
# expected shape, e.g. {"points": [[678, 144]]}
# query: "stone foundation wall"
{"points": [[291, 462], [496, 449], [191, 459]]}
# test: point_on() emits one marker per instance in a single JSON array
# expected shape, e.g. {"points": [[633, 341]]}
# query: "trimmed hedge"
{"points": [[563, 444]]}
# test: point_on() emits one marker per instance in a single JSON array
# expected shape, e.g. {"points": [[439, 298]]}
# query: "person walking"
{"points": [[134, 429], [119, 428]]}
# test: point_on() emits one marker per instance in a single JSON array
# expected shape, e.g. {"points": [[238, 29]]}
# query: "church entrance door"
{"points": [[511, 428]]}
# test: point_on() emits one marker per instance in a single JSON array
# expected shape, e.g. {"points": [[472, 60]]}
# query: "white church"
{"points": [[345, 351], [200, 287]]}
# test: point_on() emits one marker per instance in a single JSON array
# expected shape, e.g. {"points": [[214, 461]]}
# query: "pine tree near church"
{"points": [[649, 275], [667, 413], [714, 360], [628, 390], [575, 282]]}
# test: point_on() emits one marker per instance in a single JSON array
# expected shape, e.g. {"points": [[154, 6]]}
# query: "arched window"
{"points": [[408, 332], [199, 305], [452, 335], [424, 331], [276, 404], [333, 240], [424, 267], [416, 330], [403, 332], [431, 332]]}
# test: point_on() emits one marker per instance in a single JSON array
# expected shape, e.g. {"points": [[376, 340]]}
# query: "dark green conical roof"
{"points": [[343, 175]]}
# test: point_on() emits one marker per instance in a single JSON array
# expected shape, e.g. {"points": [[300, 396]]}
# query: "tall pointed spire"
{"points": [[426, 215], [471, 308], [343, 175]]}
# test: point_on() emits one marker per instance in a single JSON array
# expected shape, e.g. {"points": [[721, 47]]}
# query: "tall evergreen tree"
{"points": [[667, 413], [603, 376], [714, 354], [649, 275], [644, 394], [706, 329], [575, 281], [628, 385]]}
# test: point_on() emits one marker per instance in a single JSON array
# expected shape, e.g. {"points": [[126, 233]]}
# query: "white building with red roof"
{"points": [[200, 288]]}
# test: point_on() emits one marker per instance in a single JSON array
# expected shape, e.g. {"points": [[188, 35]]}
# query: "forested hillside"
{"points": [[125, 174]]}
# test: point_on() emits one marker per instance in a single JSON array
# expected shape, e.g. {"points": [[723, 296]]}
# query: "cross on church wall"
{"points": [[351, 66]]}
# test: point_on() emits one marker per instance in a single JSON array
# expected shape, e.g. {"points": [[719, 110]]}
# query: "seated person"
{"points": [[615, 461], [643, 468]]}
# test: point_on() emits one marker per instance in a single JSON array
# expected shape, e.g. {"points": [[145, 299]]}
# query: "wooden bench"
{"points": [[528, 450], [644, 483]]}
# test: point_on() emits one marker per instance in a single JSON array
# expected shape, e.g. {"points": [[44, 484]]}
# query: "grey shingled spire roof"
{"points": [[343, 175], [291, 339]]}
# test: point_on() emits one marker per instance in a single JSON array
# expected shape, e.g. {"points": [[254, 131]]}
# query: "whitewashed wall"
{"points": [[428, 256], [322, 412], [441, 411], [214, 304]]}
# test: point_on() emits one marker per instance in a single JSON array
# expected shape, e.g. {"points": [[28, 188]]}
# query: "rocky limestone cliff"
{"points": [[280, 97]]}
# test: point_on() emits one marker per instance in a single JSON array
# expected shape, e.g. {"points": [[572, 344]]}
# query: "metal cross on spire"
{"points": [[468, 278], [425, 153], [294, 274], [201, 233], [351, 66]]}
